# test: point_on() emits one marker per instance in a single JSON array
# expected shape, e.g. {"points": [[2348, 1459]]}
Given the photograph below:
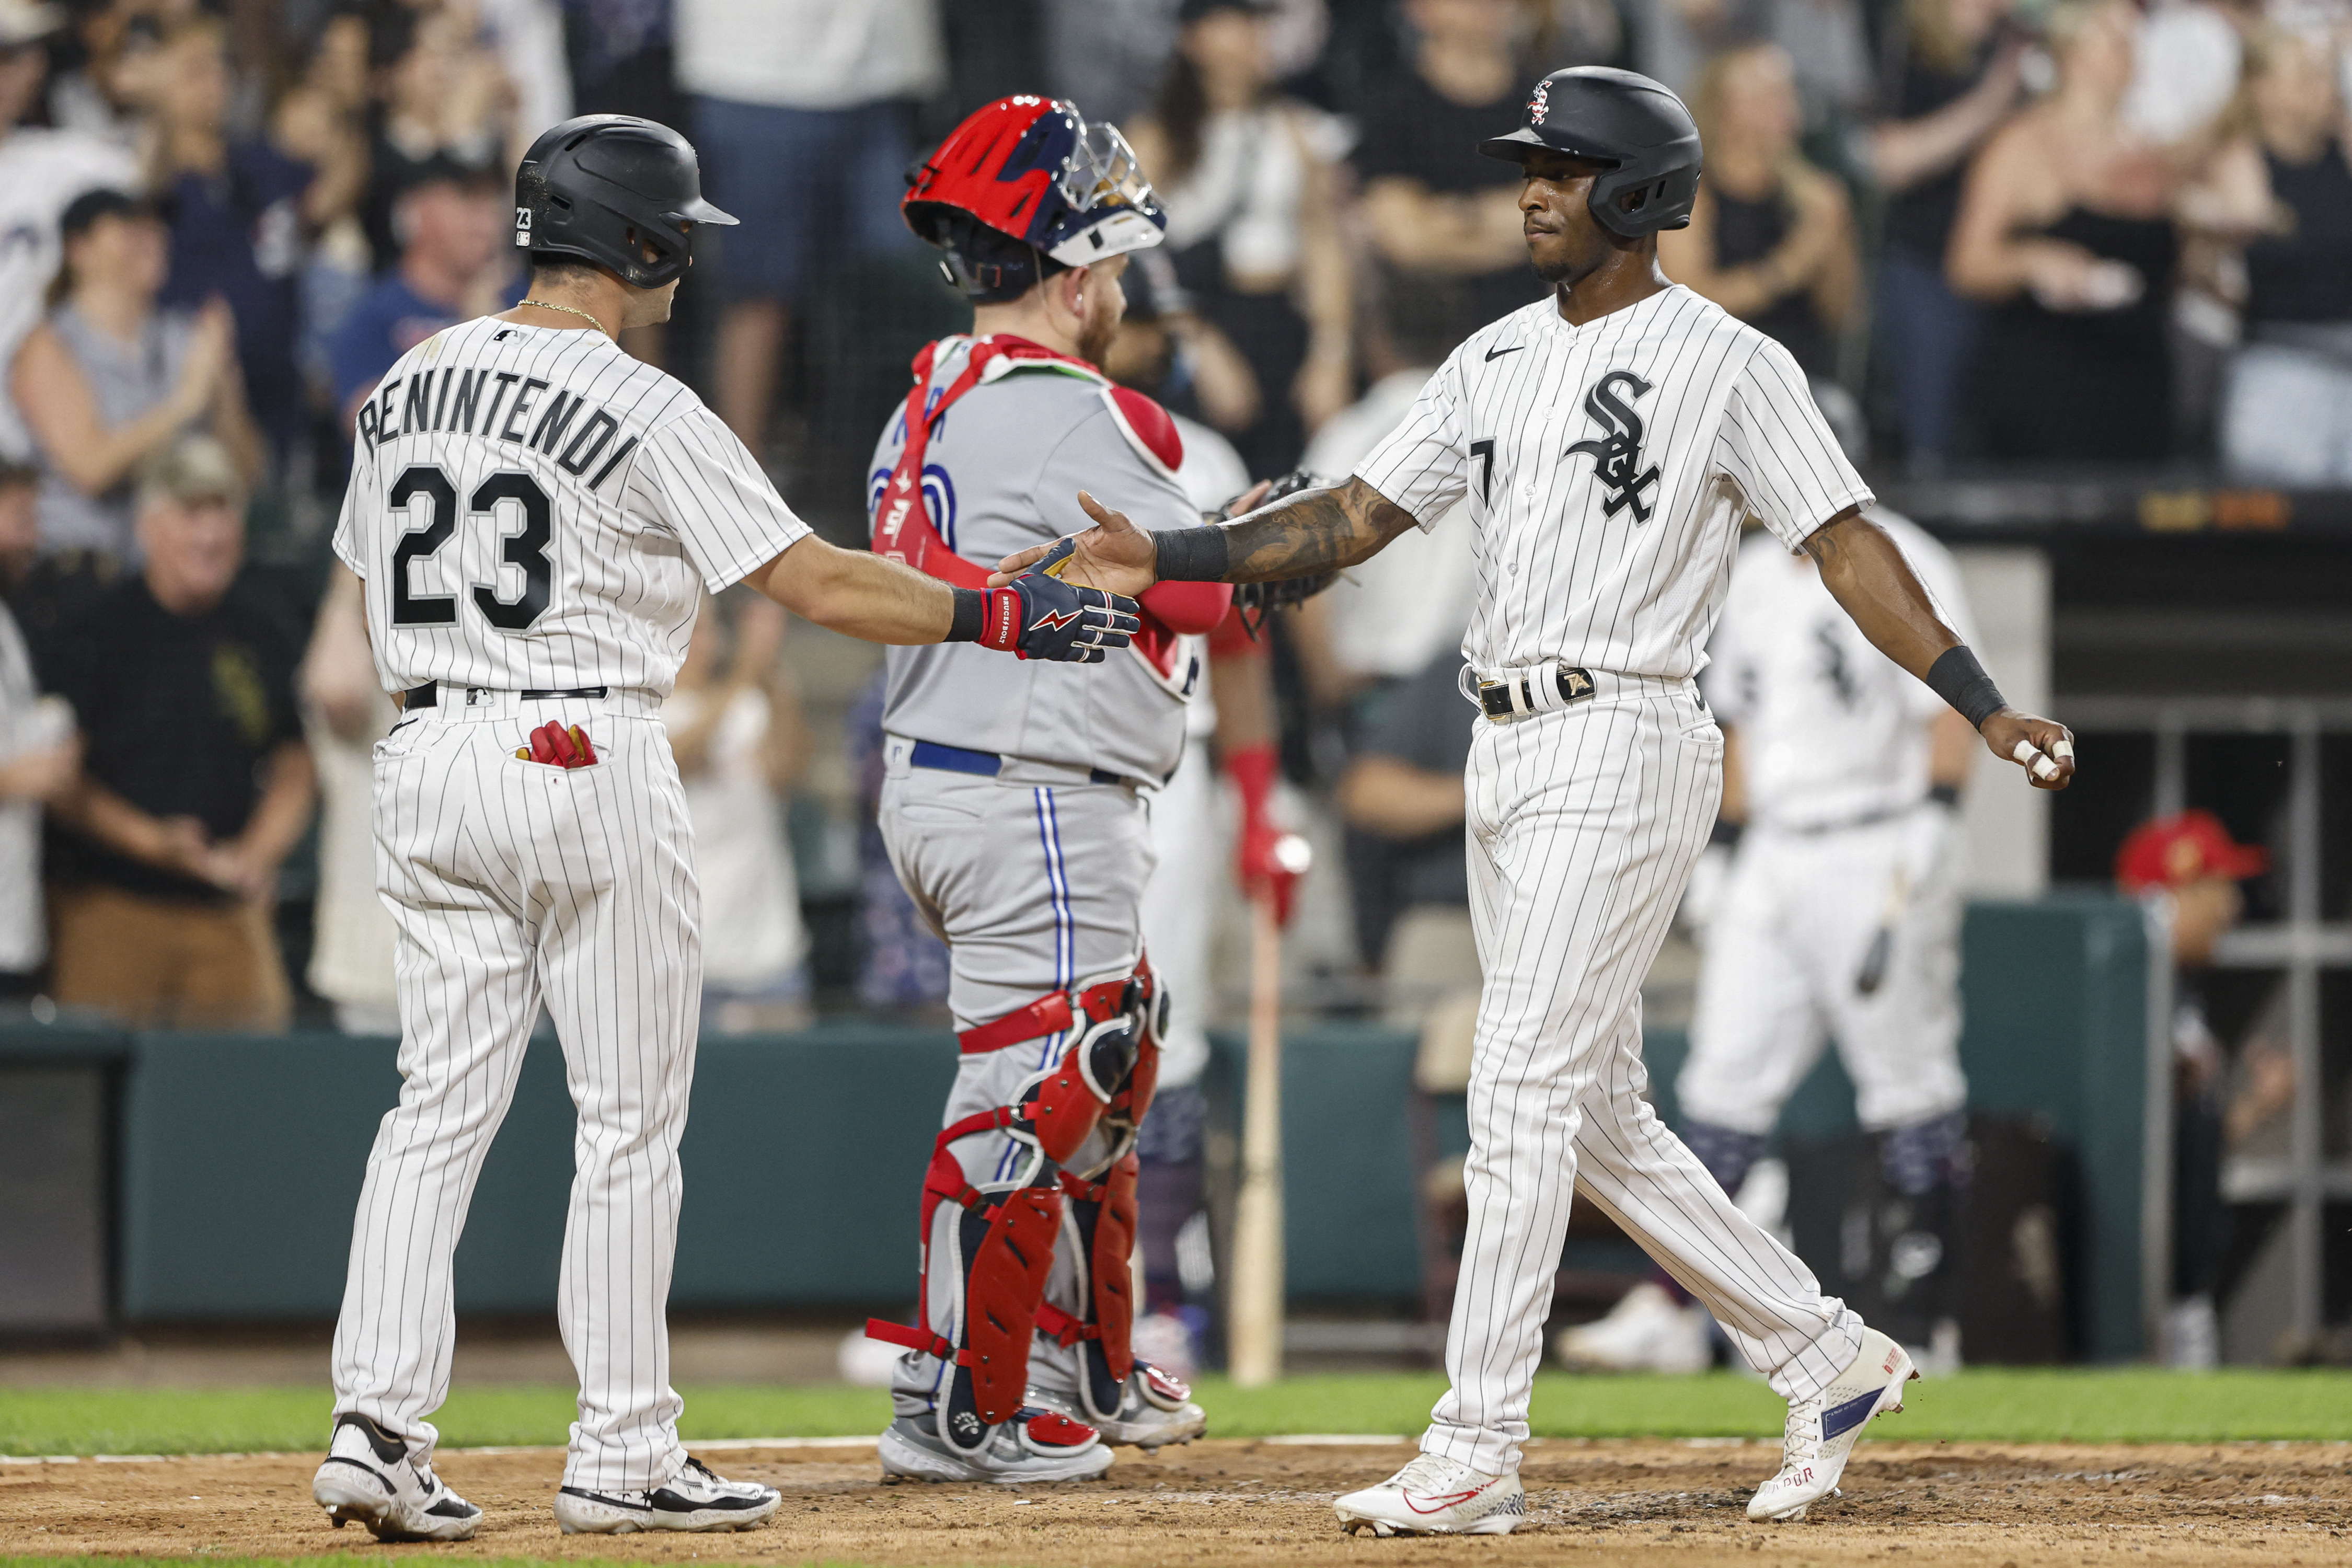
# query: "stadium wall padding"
{"points": [[239, 1158]]}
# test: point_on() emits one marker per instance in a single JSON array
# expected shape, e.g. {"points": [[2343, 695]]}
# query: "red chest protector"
{"points": [[903, 528]]}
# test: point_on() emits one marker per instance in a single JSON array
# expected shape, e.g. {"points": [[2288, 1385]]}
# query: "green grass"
{"points": [[2061, 1405]]}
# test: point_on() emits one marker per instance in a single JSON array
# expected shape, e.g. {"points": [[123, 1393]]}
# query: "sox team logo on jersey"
{"points": [[1617, 455]]}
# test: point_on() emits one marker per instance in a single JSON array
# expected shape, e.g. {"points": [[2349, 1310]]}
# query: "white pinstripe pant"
{"points": [[514, 884], [1583, 827], [1033, 889]]}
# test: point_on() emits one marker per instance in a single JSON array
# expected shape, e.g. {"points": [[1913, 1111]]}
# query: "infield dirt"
{"points": [[1985, 1505]]}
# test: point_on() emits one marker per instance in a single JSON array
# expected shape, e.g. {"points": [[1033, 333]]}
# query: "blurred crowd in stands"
{"points": [[1991, 231]]}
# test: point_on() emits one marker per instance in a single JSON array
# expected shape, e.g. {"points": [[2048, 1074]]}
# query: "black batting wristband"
{"points": [[971, 615], [1726, 832], [1945, 795], [1960, 680], [1190, 555]]}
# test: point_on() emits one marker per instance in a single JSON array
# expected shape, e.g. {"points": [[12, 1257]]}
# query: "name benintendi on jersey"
{"points": [[532, 509], [1608, 468]]}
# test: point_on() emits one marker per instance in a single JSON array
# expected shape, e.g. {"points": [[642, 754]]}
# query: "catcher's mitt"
{"points": [[1256, 601]]}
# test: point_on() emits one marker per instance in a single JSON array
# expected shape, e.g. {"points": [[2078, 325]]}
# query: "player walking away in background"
{"points": [[1014, 808], [1837, 914], [535, 515], [1610, 440]]}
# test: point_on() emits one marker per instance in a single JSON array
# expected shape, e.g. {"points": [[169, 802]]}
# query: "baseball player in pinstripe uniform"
{"points": [[535, 515], [1014, 811], [1609, 441]]}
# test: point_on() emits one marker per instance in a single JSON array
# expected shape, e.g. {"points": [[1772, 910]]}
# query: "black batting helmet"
{"points": [[1636, 126], [603, 186]]}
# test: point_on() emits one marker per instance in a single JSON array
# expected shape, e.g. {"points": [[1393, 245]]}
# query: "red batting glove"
{"points": [[1268, 861], [561, 748]]}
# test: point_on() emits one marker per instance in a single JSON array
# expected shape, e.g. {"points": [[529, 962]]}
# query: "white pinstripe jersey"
{"points": [[532, 509], [1608, 468]]}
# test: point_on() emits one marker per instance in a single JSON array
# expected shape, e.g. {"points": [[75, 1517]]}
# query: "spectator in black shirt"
{"points": [[1770, 237], [2286, 187], [1445, 222], [195, 780], [1960, 77]]}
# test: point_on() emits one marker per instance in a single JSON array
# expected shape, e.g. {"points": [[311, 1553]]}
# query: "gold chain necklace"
{"points": [[552, 305]]}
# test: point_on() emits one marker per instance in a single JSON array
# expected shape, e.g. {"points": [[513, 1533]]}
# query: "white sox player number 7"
{"points": [[1609, 441]]}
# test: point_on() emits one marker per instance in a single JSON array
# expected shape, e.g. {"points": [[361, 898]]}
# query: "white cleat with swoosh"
{"points": [[1434, 1496]]}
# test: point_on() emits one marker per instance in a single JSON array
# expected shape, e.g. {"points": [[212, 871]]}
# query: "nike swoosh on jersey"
{"points": [[1497, 353]]}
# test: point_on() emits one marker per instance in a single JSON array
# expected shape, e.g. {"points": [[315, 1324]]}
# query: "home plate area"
{"points": [[1984, 1505]]}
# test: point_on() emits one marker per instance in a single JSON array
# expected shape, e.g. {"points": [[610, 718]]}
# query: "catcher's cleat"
{"points": [[1821, 1430], [1035, 1445], [1154, 1411], [370, 1476], [1434, 1496]]}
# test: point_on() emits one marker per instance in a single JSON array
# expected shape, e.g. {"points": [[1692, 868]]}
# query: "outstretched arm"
{"points": [[1313, 530], [1866, 573], [883, 601], [861, 595]]}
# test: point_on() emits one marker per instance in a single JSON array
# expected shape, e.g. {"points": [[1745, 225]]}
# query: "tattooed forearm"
{"points": [[1314, 530]]}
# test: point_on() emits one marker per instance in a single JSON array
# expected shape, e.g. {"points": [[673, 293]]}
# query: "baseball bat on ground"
{"points": [[1255, 1298]]}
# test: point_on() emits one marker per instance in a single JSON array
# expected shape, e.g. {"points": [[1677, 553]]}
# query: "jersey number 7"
{"points": [[527, 549]]}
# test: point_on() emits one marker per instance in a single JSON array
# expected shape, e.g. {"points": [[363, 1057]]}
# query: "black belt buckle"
{"points": [[425, 696], [1574, 682]]}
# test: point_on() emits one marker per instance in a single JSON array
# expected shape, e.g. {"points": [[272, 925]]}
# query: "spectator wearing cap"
{"points": [[41, 170], [1445, 222], [2189, 861], [110, 378], [1247, 178], [195, 781], [39, 758], [455, 265], [240, 211], [800, 116]]}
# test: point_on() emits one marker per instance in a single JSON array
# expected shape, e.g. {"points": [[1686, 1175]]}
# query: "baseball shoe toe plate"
{"points": [[1433, 1496], [1821, 1430]]}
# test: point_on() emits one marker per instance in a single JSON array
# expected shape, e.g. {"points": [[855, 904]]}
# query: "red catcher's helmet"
{"points": [[1032, 170]]}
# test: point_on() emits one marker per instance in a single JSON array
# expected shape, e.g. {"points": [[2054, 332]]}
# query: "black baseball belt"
{"points": [[429, 694], [1515, 694]]}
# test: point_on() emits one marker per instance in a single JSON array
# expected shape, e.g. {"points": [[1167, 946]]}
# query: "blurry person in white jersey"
{"points": [[535, 516], [1609, 441]]}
